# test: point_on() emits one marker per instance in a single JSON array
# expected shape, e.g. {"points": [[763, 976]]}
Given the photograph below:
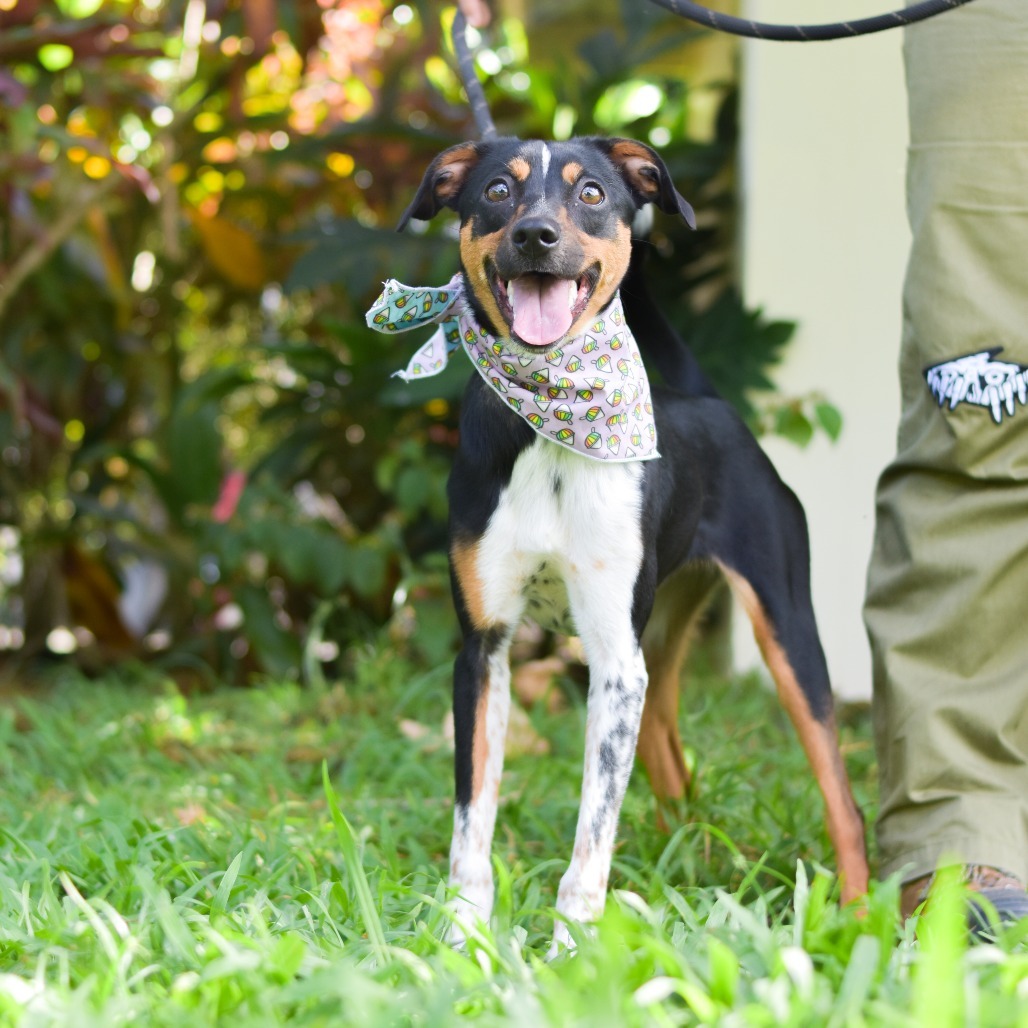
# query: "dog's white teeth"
{"points": [[510, 295], [572, 293]]}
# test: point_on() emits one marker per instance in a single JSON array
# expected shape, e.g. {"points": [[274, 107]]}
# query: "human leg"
{"points": [[949, 571]]}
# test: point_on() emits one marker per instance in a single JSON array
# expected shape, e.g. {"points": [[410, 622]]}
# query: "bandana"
{"points": [[590, 395]]}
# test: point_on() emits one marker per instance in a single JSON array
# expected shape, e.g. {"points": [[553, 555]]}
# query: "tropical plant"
{"points": [[204, 459]]}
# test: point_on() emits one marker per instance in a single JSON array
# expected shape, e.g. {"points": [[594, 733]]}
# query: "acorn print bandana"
{"points": [[590, 395]]}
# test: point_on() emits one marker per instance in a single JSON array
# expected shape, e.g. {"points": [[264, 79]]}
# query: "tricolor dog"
{"points": [[592, 504]]}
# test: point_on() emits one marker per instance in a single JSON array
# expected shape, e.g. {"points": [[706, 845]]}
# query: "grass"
{"points": [[276, 856]]}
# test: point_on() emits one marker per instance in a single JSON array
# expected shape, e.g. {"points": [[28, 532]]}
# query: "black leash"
{"points": [[808, 33], [715, 20], [473, 88]]}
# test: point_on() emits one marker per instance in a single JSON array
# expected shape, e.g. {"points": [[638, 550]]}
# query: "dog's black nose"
{"points": [[535, 237]]}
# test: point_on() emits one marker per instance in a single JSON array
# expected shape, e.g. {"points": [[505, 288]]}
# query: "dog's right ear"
{"points": [[646, 175], [442, 183]]}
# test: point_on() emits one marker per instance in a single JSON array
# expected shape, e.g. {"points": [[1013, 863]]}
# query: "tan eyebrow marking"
{"points": [[570, 172], [520, 168]]}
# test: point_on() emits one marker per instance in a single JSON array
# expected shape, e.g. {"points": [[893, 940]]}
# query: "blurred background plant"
{"points": [[204, 461]]}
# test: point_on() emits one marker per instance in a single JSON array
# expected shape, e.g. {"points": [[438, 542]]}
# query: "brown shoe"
{"points": [[913, 894], [1004, 892]]}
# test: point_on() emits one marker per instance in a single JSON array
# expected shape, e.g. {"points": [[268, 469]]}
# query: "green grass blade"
{"points": [[352, 861], [220, 902], [856, 982], [942, 932]]}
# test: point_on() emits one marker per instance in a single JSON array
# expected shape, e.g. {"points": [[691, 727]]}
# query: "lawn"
{"points": [[276, 855]]}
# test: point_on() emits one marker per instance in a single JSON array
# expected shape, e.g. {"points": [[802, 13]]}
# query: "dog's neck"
{"points": [[589, 394]]}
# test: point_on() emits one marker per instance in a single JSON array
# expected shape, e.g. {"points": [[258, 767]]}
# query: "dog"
{"points": [[620, 543]]}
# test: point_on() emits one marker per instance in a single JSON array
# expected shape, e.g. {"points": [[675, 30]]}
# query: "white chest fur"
{"points": [[564, 540]]}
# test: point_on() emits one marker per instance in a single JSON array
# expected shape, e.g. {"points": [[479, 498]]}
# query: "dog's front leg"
{"points": [[617, 689], [481, 703]]}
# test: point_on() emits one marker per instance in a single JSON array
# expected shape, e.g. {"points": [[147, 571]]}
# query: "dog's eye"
{"points": [[497, 191], [591, 194]]}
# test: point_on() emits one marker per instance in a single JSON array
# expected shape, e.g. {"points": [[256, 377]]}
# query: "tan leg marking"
{"points": [[465, 566], [480, 743], [820, 742], [679, 603]]}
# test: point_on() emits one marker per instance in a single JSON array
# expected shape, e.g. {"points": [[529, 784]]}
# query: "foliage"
{"points": [[202, 453], [169, 860]]}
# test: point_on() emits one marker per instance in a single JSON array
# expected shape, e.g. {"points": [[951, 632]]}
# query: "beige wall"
{"points": [[824, 242]]}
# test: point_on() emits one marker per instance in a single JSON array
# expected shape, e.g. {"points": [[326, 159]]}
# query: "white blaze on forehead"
{"points": [[538, 157]]}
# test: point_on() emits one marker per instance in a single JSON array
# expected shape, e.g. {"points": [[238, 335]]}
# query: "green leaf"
{"points": [[793, 424], [193, 446], [298, 549], [412, 488], [361, 258], [56, 56], [829, 417], [79, 8], [277, 650], [332, 564], [367, 569], [626, 103]]}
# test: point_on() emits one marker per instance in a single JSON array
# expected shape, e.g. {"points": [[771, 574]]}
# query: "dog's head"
{"points": [[545, 235]]}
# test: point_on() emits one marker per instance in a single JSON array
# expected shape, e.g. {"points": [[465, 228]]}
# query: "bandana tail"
{"points": [[401, 308], [430, 359]]}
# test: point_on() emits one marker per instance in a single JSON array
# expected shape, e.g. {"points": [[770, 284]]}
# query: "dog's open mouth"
{"points": [[540, 309]]}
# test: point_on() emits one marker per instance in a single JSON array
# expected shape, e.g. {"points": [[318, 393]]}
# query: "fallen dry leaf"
{"points": [[305, 754], [190, 814], [533, 683], [522, 738], [413, 730]]}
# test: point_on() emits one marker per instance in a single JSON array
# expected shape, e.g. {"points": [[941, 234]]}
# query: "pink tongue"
{"points": [[542, 312]]}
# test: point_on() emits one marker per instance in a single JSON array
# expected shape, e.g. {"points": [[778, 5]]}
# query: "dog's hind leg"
{"points": [[767, 567], [679, 603]]}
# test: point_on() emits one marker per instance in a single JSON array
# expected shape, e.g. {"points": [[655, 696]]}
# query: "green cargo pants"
{"points": [[947, 601]]}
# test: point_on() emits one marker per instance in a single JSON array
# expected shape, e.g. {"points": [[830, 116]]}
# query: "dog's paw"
{"points": [[582, 894], [566, 943], [563, 942], [467, 917], [456, 935]]}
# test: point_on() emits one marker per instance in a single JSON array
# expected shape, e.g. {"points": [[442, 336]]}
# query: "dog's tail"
{"points": [[661, 346]]}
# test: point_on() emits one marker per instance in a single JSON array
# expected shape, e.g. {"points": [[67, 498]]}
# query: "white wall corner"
{"points": [[824, 241]]}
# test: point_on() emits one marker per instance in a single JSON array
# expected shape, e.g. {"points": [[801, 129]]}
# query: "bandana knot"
{"points": [[591, 394]]}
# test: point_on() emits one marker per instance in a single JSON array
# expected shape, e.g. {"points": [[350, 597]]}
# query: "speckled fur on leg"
{"points": [[603, 610], [615, 708]]}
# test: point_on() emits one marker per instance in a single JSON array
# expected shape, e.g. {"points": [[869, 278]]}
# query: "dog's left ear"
{"points": [[442, 183], [647, 176]]}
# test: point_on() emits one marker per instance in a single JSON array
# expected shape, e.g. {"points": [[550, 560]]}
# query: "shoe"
{"points": [[1004, 892]]}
